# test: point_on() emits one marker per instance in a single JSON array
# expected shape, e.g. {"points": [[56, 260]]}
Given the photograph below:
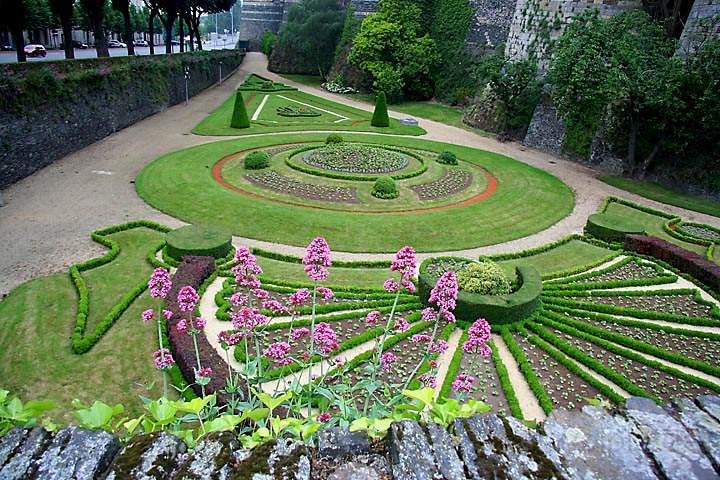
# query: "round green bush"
{"points": [[385, 188], [198, 240], [447, 158], [486, 278], [334, 139], [257, 160], [611, 228]]}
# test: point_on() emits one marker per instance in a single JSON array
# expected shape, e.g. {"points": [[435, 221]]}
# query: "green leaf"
{"points": [[131, 425], [98, 416], [425, 395], [196, 405], [162, 410], [270, 402], [256, 414], [223, 423]]}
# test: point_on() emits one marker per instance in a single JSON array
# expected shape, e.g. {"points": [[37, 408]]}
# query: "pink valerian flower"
{"points": [[239, 299], [204, 372], [159, 283], [275, 307], [278, 352], [386, 360], [429, 314], [261, 294], [187, 299], [163, 359], [408, 285], [444, 294], [480, 330], [324, 417], [299, 333], [325, 292], [476, 346], [401, 325], [248, 319], [200, 323], [227, 338], [428, 379], [167, 314], [405, 262], [182, 326], [391, 285], [300, 297], [433, 364], [247, 281], [246, 262], [373, 317], [317, 258], [439, 347], [420, 337], [148, 315], [325, 338], [463, 383]]}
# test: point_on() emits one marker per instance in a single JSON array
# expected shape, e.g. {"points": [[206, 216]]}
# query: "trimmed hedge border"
{"points": [[505, 383], [527, 370], [218, 248], [453, 368], [570, 283], [79, 342], [611, 228], [496, 309], [277, 86]]}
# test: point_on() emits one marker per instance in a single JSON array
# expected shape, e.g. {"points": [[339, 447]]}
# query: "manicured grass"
{"points": [[218, 122], [294, 272], [527, 200], [567, 256], [38, 317], [662, 194]]}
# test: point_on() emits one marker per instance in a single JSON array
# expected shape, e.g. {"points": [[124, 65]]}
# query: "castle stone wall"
{"points": [[702, 23], [491, 23]]}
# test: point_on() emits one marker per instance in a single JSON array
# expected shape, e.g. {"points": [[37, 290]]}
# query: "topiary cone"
{"points": [[240, 116], [380, 116]]}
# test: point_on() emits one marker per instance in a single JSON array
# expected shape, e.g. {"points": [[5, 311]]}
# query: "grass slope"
{"points": [[527, 200], [662, 194]]}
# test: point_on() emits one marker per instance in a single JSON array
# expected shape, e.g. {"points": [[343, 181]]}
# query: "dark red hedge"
{"points": [[688, 262]]}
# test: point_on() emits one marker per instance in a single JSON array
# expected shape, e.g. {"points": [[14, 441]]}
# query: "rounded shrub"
{"points": [[334, 139], [447, 158], [385, 188], [612, 228], [257, 160], [485, 278], [198, 240]]}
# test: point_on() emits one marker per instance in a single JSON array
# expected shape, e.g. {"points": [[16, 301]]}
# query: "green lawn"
{"points": [[37, 319], [565, 257], [527, 200], [294, 272], [334, 116], [662, 194]]}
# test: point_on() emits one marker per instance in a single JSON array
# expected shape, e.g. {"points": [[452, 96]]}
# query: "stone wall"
{"points": [[258, 17], [702, 23], [31, 138], [490, 25], [641, 440]]}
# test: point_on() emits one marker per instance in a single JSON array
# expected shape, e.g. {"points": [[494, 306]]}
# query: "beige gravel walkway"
{"points": [[47, 219]]}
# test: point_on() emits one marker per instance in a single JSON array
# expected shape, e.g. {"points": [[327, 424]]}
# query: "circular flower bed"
{"points": [[363, 159]]}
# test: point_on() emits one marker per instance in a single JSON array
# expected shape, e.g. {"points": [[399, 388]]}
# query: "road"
{"points": [[54, 55]]}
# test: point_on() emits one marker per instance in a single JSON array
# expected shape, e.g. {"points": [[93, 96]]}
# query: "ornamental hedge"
{"points": [[240, 117], [385, 188], [198, 240], [496, 309], [257, 160], [611, 228], [380, 116]]}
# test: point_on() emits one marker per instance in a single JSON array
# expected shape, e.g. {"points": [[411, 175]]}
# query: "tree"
{"points": [[123, 6], [64, 10], [13, 18], [153, 7], [95, 11], [171, 8], [391, 49], [240, 116], [380, 116]]}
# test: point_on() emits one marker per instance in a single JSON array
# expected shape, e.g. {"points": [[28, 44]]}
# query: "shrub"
{"points": [[385, 188], [334, 139], [611, 228], [199, 241], [447, 158], [257, 160], [240, 117], [485, 278], [380, 116]]}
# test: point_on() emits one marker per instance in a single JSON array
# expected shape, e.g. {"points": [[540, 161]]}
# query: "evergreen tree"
{"points": [[240, 116], [380, 116]]}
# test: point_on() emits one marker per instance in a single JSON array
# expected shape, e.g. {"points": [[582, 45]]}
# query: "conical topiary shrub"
{"points": [[380, 116], [240, 116]]}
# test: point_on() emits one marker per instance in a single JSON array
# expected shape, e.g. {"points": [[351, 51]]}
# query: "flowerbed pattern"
{"points": [[362, 159], [700, 231], [452, 182], [283, 184]]}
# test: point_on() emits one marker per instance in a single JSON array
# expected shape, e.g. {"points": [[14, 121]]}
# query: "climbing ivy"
{"points": [[453, 76]]}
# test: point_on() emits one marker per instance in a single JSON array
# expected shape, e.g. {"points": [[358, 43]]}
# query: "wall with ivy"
{"points": [[51, 109]]}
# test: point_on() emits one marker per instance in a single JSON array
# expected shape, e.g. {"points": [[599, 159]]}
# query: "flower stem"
{"points": [[312, 348], [197, 357], [379, 348], [425, 357]]}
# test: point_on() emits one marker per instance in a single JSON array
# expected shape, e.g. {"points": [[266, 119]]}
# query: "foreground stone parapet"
{"points": [[640, 440]]}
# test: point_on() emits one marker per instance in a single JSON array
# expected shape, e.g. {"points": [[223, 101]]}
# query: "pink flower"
{"points": [[278, 352], [247, 281], [386, 360], [401, 325], [429, 315], [187, 299], [200, 323], [275, 307], [408, 285], [204, 372], [317, 258], [444, 294], [326, 293], [316, 273], [163, 359], [439, 347], [260, 294], [325, 338], [238, 299], [148, 315], [159, 283], [373, 317], [480, 330], [248, 319], [339, 362], [246, 262], [167, 314], [478, 347], [420, 337], [405, 262], [428, 379], [182, 326], [391, 285], [300, 297], [324, 417], [463, 383], [299, 333], [228, 338]]}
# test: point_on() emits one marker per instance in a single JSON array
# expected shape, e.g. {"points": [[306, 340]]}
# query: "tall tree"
{"points": [[153, 7], [123, 6], [95, 11], [171, 9], [13, 18], [64, 10]]}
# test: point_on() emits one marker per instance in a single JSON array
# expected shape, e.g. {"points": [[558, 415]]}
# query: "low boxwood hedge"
{"points": [[198, 240], [496, 309], [611, 228]]}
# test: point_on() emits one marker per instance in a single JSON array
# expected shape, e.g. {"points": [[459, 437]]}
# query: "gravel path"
{"points": [[46, 222]]}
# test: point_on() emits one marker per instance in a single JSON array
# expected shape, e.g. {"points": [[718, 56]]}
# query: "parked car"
{"points": [[140, 43], [79, 44], [116, 44], [35, 50]]}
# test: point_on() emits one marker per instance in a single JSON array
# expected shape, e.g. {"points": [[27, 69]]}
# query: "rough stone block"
{"points": [[19, 449], [147, 457], [214, 456], [336, 442], [702, 426], [77, 454], [411, 456]]}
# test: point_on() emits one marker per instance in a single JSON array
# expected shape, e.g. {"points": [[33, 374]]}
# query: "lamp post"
{"points": [[187, 78], [220, 65]]}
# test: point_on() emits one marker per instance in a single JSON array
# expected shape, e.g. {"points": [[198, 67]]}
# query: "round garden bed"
{"points": [[612, 228], [198, 240]]}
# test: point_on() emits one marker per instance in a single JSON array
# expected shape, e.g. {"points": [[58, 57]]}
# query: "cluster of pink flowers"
{"points": [[278, 352], [238, 299], [386, 360], [248, 319], [204, 372], [463, 383], [478, 336], [229, 338], [300, 297], [325, 292], [401, 325], [260, 294], [159, 283], [439, 347], [405, 263], [247, 269], [324, 417], [444, 295], [148, 315], [275, 307], [421, 337], [325, 338], [373, 317], [428, 379], [163, 359], [317, 259], [187, 299], [192, 327], [299, 333]]}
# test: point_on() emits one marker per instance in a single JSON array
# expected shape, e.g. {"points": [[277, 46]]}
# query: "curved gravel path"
{"points": [[46, 222]]}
